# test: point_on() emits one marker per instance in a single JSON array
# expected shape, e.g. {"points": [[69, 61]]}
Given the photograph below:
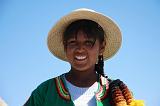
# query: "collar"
{"points": [[100, 94]]}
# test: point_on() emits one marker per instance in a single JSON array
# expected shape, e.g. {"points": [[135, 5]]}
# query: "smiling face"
{"points": [[82, 52], [83, 42]]}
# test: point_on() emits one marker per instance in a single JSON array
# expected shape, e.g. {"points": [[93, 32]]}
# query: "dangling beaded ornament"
{"points": [[120, 94]]}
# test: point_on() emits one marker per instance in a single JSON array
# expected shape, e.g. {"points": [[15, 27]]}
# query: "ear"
{"points": [[102, 47]]}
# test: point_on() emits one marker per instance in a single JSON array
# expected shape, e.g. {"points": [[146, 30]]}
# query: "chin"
{"points": [[82, 68]]}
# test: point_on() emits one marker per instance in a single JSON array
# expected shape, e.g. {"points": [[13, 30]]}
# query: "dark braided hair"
{"points": [[99, 66]]}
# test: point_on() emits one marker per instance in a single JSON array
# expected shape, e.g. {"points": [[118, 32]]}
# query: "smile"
{"points": [[80, 57]]}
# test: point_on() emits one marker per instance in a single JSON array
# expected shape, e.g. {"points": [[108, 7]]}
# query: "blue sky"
{"points": [[25, 60]]}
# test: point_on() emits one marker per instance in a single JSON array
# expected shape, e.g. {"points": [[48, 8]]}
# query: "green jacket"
{"points": [[53, 92]]}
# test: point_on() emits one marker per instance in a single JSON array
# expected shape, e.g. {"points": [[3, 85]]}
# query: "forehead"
{"points": [[81, 35]]}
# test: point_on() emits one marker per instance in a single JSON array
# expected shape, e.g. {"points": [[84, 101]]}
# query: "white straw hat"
{"points": [[112, 32]]}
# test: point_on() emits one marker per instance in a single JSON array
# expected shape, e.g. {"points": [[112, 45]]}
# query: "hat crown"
{"points": [[84, 9]]}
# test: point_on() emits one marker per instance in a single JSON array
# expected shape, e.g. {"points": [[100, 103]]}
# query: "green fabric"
{"points": [[105, 102], [46, 94]]}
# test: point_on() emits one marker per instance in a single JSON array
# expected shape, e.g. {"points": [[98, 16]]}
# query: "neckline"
{"points": [[81, 84], [77, 87], [63, 91]]}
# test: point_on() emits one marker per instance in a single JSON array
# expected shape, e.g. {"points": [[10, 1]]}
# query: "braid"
{"points": [[99, 67], [119, 93]]}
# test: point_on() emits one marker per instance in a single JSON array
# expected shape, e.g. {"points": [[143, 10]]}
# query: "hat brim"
{"points": [[112, 32]]}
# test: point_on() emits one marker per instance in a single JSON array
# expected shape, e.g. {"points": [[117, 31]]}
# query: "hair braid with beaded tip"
{"points": [[99, 67]]}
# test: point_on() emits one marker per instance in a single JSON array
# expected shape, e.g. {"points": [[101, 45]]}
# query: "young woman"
{"points": [[84, 38]]}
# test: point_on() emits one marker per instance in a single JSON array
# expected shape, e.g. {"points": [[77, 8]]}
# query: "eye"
{"points": [[89, 43], [71, 43]]}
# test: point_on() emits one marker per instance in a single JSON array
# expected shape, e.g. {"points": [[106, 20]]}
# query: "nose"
{"points": [[80, 48]]}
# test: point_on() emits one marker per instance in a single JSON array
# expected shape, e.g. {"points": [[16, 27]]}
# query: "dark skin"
{"points": [[82, 54], [81, 79]]}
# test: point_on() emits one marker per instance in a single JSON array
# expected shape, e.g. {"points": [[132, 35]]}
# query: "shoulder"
{"points": [[43, 91], [47, 85]]}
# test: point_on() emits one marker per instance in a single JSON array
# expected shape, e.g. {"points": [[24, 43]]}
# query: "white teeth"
{"points": [[80, 57]]}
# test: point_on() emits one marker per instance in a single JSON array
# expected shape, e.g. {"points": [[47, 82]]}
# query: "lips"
{"points": [[80, 58]]}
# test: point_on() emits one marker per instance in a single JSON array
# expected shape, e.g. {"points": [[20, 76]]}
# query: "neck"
{"points": [[81, 78]]}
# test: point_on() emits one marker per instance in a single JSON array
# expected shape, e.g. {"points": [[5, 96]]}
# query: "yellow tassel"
{"points": [[137, 103]]}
